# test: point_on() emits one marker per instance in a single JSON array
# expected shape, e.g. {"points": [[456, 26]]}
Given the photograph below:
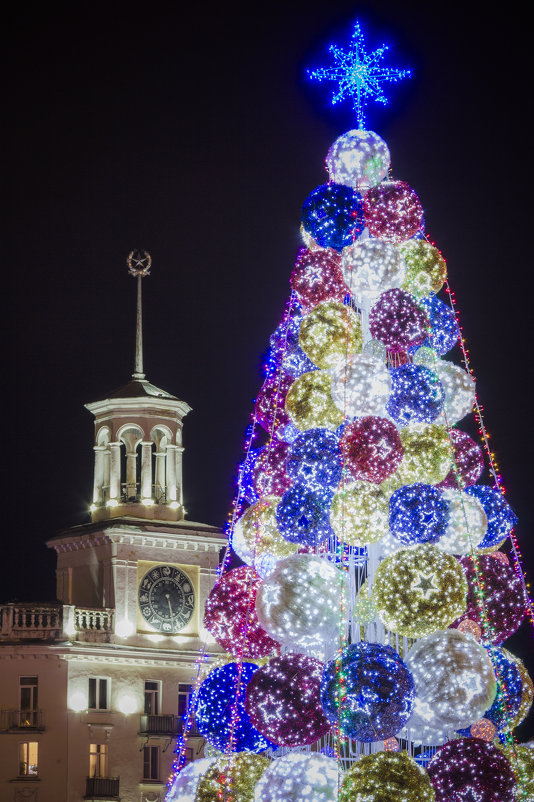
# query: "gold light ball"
{"points": [[309, 402], [360, 513], [419, 590], [232, 778], [427, 454], [386, 777], [330, 333], [260, 529], [521, 758], [426, 269]]}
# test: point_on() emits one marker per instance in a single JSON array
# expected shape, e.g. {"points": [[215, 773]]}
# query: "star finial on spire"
{"points": [[139, 264], [358, 74]]}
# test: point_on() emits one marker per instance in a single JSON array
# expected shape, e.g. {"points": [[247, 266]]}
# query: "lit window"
{"points": [[151, 763], [98, 693], [98, 760], [28, 701], [28, 759], [151, 698]]}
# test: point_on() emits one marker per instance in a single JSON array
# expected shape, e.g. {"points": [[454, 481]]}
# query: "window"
{"points": [[98, 693], [151, 698], [28, 701], [184, 694], [28, 761], [151, 763], [98, 760]]}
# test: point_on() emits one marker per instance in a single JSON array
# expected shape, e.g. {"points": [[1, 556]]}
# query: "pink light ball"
{"points": [[317, 277], [270, 409], [471, 769], [392, 211], [397, 321], [371, 448], [468, 461], [269, 474]]}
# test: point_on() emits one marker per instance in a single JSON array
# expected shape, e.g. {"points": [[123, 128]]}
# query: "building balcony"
{"points": [[102, 788], [27, 621], [21, 720], [166, 726]]}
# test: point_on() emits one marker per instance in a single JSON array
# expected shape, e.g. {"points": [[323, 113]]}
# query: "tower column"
{"points": [[171, 473], [98, 482], [146, 469], [115, 470], [160, 475], [179, 450]]}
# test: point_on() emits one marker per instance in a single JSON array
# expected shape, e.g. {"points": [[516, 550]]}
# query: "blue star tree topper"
{"points": [[359, 74]]}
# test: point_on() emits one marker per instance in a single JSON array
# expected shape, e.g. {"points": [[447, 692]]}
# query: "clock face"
{"points": [[166, 598]]}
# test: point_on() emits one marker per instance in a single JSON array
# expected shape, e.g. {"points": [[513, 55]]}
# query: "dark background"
{"points": [[192, 132]]}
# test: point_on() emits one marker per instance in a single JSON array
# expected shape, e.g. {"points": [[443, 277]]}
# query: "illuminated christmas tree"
{"points": [[381, 574]]}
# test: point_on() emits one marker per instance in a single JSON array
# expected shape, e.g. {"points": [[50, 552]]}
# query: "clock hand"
{"points": [[167, 596]]}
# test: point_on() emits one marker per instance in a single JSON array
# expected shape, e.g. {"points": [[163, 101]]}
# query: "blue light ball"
{"points": [[246, 476], [303, 515], [416, 395], [443, 324], [215, 707], [285, 351], [501, 517], [378, 694], [333, 215], [418, 514], [314, 459]]}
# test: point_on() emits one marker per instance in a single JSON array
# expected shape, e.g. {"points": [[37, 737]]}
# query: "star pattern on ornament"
{"points": [[359, 74], [425, 585]]}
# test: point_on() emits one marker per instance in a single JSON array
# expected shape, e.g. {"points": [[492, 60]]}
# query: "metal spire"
{"points": [[139, 263]]}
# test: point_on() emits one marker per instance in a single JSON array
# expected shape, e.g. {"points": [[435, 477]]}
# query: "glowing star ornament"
{"points": [[283, 700], [232, 778], [376, 697], [426, 269], [468, 461], [427, 454], [417, 514], [471, 769], [260, 529], [444, 329], [230, 615], [419, 590], [358, 75], [386, 777], [298, 604], [371, 448], [220, 713], [185, 784], [333, 215], [392, 211], [269, 472], [454, 682], [416, 395], [309, 402], [330, 333], [314, 459], [361, 386], [466, 523], [501, 518], [459, 389], [397, 321], [359, 513], [317, 277], [303, 515], [371, 267], [358, 159], [298, 777]]}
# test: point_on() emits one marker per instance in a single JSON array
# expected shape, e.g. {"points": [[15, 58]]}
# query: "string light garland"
{"points": [[371, 448], [303, 515], [397, 321], [358, 159], [471, 768], [329, 333], [314, 459], [309, 402], [371, 267], [232, 778], [416, 395], [418, 514], [386, 777], [361, 386], [426, 269], [392, 211], [360, 513], [427, 454], [317, 277], [333, 215], [298, 777]]}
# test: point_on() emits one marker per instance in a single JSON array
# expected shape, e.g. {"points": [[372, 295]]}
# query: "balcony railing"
{"points": [[165, 725], [53, 622], [21, 720], [95, 620], [102, 788]]}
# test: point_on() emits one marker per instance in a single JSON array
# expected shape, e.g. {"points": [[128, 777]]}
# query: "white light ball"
{"points": [[263, 563], [372, 267], [184, 787], [299, 603], [467, 523], [358, 159], [459, 389], [361, 386], [298, 777], [454, 684]]}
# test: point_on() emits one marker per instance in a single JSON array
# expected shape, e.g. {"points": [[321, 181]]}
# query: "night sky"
{"points": [[191, 132]]}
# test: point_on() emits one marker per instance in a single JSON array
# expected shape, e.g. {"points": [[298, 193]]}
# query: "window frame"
{"points": [[24, 759], [98, 680], [152, 765], [152, 694]]}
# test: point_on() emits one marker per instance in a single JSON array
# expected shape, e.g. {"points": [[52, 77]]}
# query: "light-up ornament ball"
{"points": [[466, 524], [269, 408], [185, 784], [298, 603], [364, 611], [527, 691], [269, 473], [361, 386], [263, 563], [501, 556], [459, 389], [358, 159], [376, 698], [392, 211], [509, 690], [375, 348], [333, 215], [427, 454], [314, 459], [330, 333], [260, 529], [471, 628], [501, 518], [317, 277], [283, 700], [371, 448], [426, 269], [425, 356], [468, 460], [483, 729], [521, 759], [299, 777], [303, 515], [391, 745], [232, 778], [397, 321], [309, 402], [416, 395], [419, 590], [417, 514], [454, 682], [471, 769], [359, 513], [444, 329], [230, 615], [371, 267], [220, 713], [386, 777], [286, 355], [504, 598]]}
